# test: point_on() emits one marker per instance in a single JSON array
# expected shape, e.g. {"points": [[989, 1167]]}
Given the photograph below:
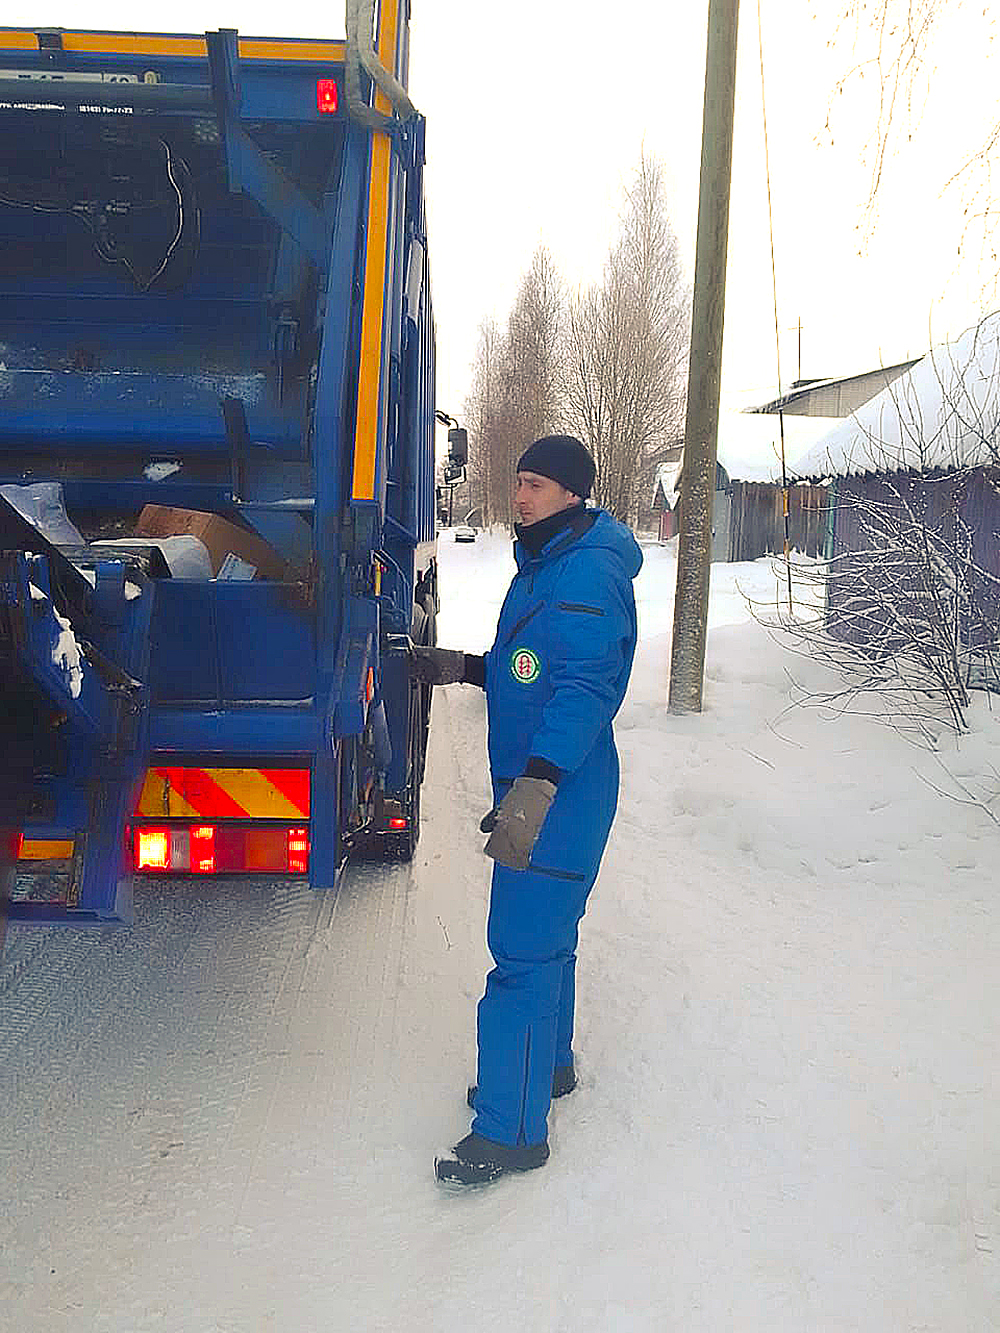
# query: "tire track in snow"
{"points": [[249, 1061]]}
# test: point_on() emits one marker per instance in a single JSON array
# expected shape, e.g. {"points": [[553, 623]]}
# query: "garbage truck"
{"points": [[217, 503]]}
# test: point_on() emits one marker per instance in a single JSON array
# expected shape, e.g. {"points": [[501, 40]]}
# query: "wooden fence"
{"points": [[757, 524]]}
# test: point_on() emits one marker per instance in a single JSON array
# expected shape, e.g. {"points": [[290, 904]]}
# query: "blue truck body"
{"points": [[214, 298]]}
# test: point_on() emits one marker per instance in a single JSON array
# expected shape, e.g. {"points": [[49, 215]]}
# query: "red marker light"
{"points": [[398, 821], [298, 851], [326, 96], [203, 849]]}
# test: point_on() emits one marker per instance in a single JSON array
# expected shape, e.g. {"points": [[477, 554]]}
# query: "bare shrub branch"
{"points": [[897, 48], [910, 622]]}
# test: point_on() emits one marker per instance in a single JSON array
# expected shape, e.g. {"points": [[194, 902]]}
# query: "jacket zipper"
{"points": [[521, 1136], [529, 615]]}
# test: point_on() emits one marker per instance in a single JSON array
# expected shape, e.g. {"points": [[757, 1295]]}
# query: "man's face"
{"points": [[537, 497]]}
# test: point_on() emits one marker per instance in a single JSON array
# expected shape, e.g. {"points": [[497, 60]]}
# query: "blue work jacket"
{"points": [[556, 676]]}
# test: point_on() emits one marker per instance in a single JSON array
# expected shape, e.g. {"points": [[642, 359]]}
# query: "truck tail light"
{"points": [[221, 849], [180, 849], [327, 99], [399, 822], [152, 849], [203, 849], [298, 851]]}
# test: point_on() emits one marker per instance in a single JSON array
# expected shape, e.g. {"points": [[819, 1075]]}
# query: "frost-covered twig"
{"points": [[911, 619], [970, 798]]}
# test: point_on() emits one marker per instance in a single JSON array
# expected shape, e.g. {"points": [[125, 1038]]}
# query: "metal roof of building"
{"points": [[834, 397], [940, 414]]}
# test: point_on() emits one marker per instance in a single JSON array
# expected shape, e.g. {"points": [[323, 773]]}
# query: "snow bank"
{"points": [[787, 972]]}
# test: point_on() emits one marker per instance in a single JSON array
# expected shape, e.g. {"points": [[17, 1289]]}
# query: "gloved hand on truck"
{"points": [[437, 666]]}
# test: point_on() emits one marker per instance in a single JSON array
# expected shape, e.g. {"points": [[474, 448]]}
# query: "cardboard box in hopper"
{"points": [[225, 542]]}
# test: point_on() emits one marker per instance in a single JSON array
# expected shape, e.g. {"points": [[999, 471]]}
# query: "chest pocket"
{"points": [[519, 626]]}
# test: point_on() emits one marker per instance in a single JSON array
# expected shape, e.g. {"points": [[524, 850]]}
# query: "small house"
{"points": [[913, 480], [666, 495]]}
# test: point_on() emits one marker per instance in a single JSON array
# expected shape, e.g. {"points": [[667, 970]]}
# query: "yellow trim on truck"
{"points": [[46, 849], [18, 40], [263, 48], [132, 44], [376, 257], [156, 44]]}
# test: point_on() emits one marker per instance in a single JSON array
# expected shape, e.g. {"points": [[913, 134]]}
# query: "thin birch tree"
{"points": [[897, 49], [518, 383], [628, 344], [482, 418]]}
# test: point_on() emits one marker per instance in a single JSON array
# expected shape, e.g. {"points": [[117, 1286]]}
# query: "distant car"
{"points": [[463, 533]]}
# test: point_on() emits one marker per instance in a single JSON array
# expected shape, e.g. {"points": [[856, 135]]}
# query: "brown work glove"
{"points": [[437, 666], [517, 821]]}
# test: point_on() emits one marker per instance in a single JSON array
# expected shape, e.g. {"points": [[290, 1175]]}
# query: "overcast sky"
{"points": [[537, 111]]}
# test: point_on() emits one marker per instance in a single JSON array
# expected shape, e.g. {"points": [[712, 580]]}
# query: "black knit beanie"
{"points": [[562, 458]]}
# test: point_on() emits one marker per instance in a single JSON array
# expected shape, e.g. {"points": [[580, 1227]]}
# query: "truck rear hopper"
{"points": [[215, 297]]}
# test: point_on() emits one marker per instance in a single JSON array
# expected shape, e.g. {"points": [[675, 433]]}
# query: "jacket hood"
{"points": [[603, 532]]}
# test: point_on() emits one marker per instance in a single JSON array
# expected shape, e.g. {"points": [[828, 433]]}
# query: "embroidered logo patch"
{"points": [[525, 666]]}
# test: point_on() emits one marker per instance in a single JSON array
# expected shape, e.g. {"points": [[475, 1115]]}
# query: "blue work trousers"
{"points": [[525, 1025]]}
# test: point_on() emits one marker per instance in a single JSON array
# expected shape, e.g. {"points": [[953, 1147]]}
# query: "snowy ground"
{"points": [[223, 1121]]}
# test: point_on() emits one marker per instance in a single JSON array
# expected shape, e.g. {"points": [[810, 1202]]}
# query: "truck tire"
{"points": [[402, 846], [429, 640], [389, 846]]}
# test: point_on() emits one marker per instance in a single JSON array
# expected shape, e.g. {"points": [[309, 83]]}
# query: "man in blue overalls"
{"points": [[554, 679]]}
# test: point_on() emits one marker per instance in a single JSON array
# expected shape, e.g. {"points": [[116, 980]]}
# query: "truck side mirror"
{"points": [[458, 446]]}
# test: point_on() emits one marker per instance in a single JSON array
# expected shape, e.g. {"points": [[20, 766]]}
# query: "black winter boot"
{"points": [[479, 1161], [563, 1082]]}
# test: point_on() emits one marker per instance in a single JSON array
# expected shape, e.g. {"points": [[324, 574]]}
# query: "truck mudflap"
{"points": [[10, 848]]}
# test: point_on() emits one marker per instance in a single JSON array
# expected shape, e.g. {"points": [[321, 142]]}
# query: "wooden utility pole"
{"points": [[694, 551]]}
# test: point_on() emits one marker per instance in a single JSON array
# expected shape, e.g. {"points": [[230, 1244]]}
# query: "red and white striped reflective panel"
{"points": [[178, 792]]}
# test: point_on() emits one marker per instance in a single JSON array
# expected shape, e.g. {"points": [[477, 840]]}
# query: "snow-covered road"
{"points": [[223, 1120]]}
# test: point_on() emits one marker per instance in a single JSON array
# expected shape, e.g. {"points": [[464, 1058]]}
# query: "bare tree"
{"points": [[627, 349], [898, 46], [482, 414], [534, 335], [611, 365], [532, 373], [517, 390]]}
